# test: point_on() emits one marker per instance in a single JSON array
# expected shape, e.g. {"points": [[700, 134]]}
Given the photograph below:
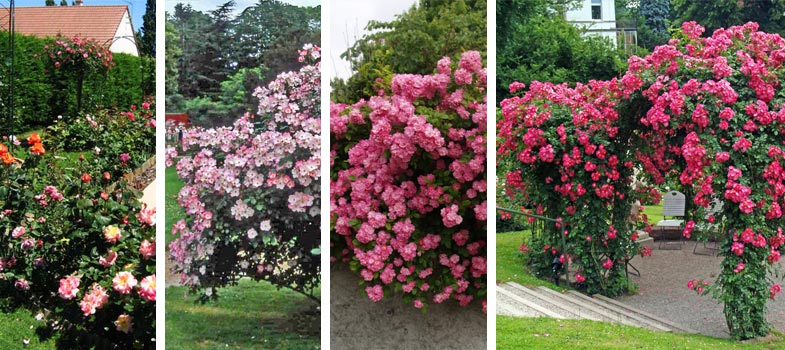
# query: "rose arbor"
{"points": [[252, 191], [408, 186], [708, 111]]}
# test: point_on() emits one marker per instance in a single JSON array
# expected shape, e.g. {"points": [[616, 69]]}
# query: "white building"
{"points": [[598, 17]]}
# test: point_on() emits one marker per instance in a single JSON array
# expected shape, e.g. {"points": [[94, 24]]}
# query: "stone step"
{"points": [[545, 300], [648, 240], [583, 308], [642, 235], [523, 300], [516, 300], [665, 323], [622, 315], [506, 306]]}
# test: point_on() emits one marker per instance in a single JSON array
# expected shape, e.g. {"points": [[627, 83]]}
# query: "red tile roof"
{"points": [[96, 22]]}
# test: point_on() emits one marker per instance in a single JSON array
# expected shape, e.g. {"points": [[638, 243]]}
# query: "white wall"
{"points": [[124, 39], [605, 27], [581, 16]]}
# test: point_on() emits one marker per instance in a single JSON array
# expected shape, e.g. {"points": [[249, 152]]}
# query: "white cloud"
{"points": [[348, 21]]}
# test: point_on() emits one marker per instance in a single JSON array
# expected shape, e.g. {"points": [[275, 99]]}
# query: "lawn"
{"points": [[654, 212], [18, 326], [251, 315], [510, 262], [173, 210], [548, 333]]}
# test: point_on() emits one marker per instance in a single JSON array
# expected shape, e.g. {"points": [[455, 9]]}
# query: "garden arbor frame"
{"points": [[7, 77]]}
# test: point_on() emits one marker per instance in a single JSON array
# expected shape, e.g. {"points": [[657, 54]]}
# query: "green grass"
{"points": [[16, 326], [654, 212], [251, 315], [173, 210], [530, 333], [510, 263]]}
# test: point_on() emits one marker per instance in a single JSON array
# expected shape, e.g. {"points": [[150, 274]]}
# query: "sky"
{"points": [[209, 5], [136, 7], [348, 21]]}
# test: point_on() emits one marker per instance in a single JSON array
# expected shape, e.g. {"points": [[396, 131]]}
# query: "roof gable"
{"points": [[96, 22]]}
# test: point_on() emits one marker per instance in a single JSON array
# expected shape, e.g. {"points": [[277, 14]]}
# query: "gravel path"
{"points": [[358, 323], [663, 291]]}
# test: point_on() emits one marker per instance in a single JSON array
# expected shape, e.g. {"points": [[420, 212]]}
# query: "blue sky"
{"points": [[135, 6]]}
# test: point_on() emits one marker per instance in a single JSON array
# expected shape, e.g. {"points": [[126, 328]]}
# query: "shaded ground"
{"points": [[663, 291], [358, 323], [251, 315]]}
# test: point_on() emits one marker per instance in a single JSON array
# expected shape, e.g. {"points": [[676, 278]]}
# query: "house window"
{"points": [[596, 9]]}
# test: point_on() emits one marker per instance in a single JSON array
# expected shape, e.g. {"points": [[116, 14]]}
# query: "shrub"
{"points": [[408, 186], [126, 141], [252, 190], [39, 100], [82, 255]]}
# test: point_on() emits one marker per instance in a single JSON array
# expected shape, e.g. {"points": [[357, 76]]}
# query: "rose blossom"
{"points": [[124, 282], [69, 287]]}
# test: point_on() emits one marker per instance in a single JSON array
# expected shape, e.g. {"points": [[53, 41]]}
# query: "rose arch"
{"points": [[708, 112]]}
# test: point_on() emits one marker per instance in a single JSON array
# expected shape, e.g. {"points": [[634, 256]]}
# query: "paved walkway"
{"points": [[663, 291], [358, 323], [150, 193]]}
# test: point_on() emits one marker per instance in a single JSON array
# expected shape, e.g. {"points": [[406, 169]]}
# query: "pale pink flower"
{"points": [[124, 282]]}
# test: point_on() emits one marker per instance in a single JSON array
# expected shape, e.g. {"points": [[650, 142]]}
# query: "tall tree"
{"points": [[725, 13], [270, 31], [50, 2], [413, 43], [653, 26], [535, 42], [191, 26], [63, 2], [147, 37]]}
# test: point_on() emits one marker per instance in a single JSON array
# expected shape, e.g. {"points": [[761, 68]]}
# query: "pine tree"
{"points": [[50, 2]]}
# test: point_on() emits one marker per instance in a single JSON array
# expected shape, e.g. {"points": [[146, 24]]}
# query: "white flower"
{"points": [[252, 233], [265, 226]]}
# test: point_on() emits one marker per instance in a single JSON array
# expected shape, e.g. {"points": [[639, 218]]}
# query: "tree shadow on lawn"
{"points": [[251, 315]]}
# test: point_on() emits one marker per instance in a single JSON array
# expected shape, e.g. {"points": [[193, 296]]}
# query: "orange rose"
{"points": [[3, 149], [38, 148], [7, 158], [33, 139]]}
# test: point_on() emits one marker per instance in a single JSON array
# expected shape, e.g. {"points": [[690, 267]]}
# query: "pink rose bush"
{"points": [[708, 112], [77, 250], [408, 186], [252, 191]]}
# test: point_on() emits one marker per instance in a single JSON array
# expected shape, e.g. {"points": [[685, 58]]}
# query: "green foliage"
{"points": [[653, 23], [171, 66], [533, 43], [412, 43], [147, 37], [214, 61], [770, 15], [39, 99]]}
